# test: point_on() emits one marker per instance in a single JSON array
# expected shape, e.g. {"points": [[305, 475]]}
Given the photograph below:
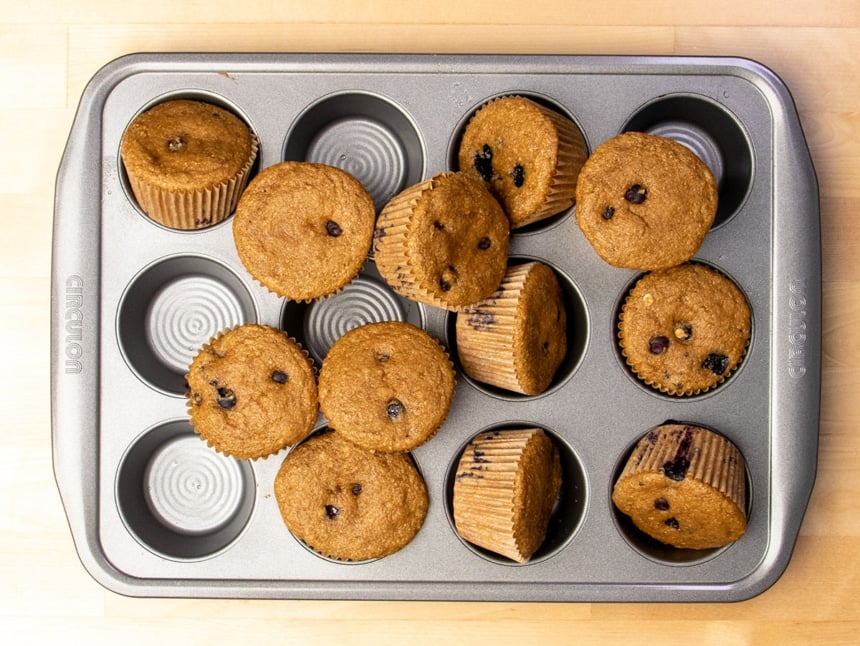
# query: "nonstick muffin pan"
{"points": [[154, 512]]}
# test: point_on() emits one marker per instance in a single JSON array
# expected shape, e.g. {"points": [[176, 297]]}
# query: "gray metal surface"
{"points": [[154, 514]]}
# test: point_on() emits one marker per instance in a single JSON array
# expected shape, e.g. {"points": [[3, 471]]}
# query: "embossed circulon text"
{"points": [[797, 328], [74, 323]]}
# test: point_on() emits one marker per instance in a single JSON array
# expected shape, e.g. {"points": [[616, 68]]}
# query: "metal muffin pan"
{"points": [[154, 512]]}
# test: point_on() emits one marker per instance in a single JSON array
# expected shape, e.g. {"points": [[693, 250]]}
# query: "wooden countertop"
{"points": [[48, 51]]}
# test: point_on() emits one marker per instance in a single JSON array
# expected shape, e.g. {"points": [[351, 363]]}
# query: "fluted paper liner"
{"points": [[486, 352], [675, 457], [193, 209], [491, 508]]}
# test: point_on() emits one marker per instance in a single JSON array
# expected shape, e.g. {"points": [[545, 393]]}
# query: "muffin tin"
{"points": [[154, 512]]}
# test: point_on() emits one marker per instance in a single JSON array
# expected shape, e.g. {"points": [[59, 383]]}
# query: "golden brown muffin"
{"points": [[443, 242], [506, 486], [386, 386], [251, 392], [349, 503], [685, 486], [645, 202], [685, 329], [528, 155], [303, 230], [187, 162], [517, 338]]}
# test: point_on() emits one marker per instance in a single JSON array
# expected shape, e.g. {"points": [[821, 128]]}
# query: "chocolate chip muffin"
{"points": [[645, 202], [303, 230], [528, 155], [187, 162], [443, 242], [517, 338], [685, 329], [506, 486], [251, 392], [349, 503], [685, 486], [386, 386]]}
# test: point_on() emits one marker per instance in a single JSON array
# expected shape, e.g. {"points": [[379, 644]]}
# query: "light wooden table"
{"points": [[49, 49]]}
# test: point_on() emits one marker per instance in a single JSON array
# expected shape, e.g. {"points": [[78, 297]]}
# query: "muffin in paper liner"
{"points": [[684, 330], [387, 386], [252, 391], [303, 230], [506, 485], [528, 155], [516, 339], [349, 503], [685, 486], [187, 162], [443, 242]]}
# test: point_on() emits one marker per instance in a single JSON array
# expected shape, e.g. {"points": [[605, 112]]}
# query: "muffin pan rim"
{"points": [[83, 510]]}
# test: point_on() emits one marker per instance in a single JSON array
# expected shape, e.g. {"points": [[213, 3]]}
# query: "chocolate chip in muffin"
{"points": [[331, 511], [518, 174], [394, 409], [608, 213], [226, 398], [484, 243], [483, 162], [636, 194], [333, 229], [716, 363], [662, 504], [280, 377]]}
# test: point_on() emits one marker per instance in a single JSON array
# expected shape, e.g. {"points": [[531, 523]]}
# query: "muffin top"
{"points": [[517, 146], [303, 230], [386, 386], [349, 503], [645, 202], [251, 392], [684, 329], [185, 145], [447, 238]]}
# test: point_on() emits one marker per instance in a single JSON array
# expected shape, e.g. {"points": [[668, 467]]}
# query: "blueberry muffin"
{"points": [[528, 155], [187, 162], [645, 202], [517, 338], [303, 230], [386, 386], [443, 242], [505, 488], [349, 503], [685, 329], [251, 392], [685, 486]]}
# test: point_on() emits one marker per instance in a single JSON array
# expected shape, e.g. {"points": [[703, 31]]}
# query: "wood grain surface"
{"points": [[48, 51]]}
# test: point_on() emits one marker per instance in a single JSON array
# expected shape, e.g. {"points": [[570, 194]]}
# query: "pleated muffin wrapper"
{"points": [[201, 431], [489, 492], [679, 454], [390, 247], [571, 153], [196, 209], [486, 333]]}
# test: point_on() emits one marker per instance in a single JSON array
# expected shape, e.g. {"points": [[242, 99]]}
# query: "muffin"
{"points": [[528, 155], [303, 230], [187, 162], [505, 488], [251, 392], [685, 329], [443, 242], [684, 486], [645, 202], [348, 503], [517, 338], [386, 386]]}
